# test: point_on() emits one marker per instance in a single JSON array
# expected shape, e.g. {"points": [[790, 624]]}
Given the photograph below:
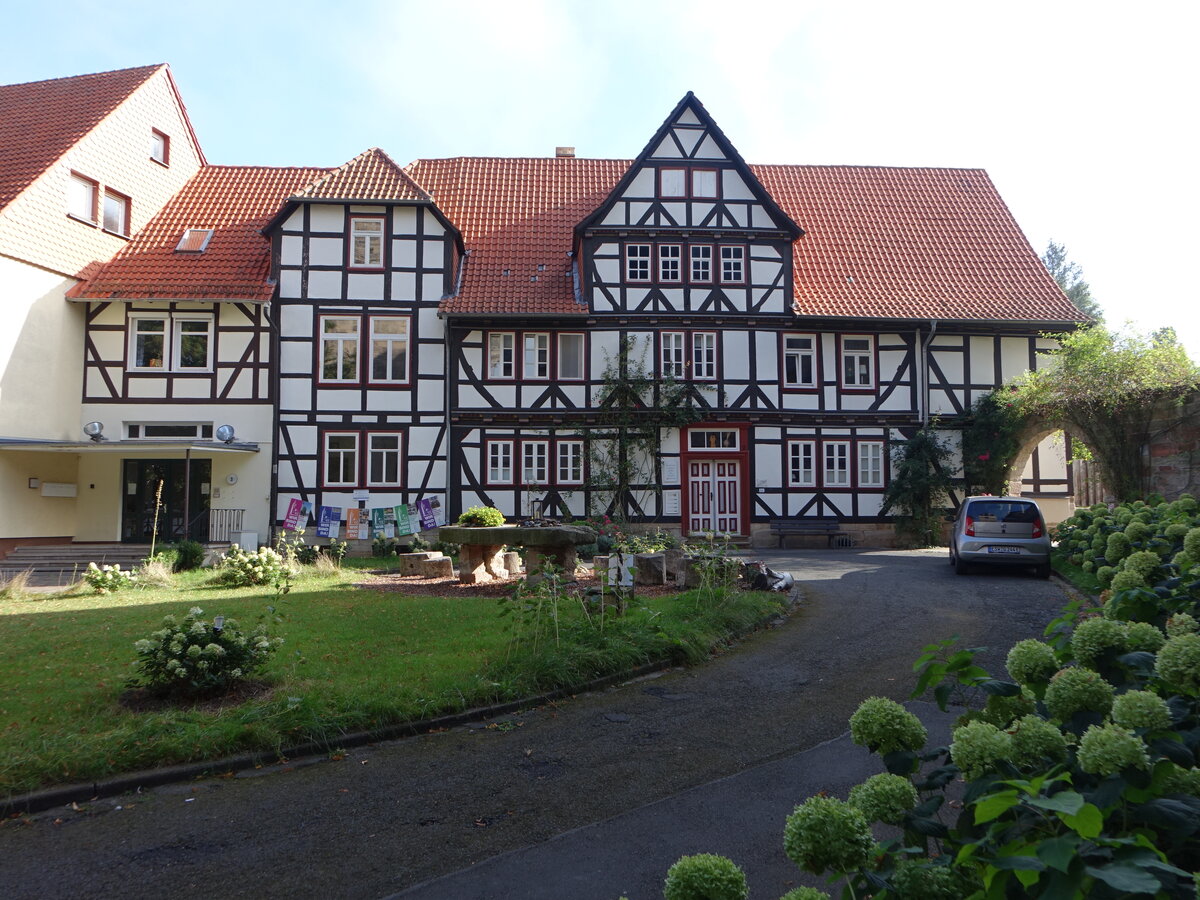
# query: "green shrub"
{"points": [[884, 798], [239, 568], [705, 876], [1108, 749], [1078, 690], [979, 747], [481, 517], [1178, 663], [884, 726], [106, 579], [1117, 547], [824, 834], [196, 657], [1095, 637], [189, 555]]}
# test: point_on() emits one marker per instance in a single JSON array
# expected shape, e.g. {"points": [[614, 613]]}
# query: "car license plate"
{"points": [[994, 549]]}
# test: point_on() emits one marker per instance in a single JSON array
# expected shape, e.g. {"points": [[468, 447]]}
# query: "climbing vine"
{"points": [[920, 487], [991, 441]]}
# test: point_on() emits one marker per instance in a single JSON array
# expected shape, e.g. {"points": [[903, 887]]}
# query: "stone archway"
{"points": [[1046, 462]]}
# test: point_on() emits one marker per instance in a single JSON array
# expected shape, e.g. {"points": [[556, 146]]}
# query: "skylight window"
{"points": [[194, 240]]}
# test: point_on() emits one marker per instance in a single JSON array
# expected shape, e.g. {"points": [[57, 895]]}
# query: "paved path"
{"points": [[397, 815]]}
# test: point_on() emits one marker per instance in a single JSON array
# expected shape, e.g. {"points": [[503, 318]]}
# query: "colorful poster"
{"points": [[329, 521], [356, 525], [439, 511], [414, 520], [403, 522], [425, 511], [297, 514]]}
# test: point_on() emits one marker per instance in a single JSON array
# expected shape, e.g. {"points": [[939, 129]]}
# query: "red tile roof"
{"points": [[236, 202], [372, 175], [516, 215], [42, 120]]}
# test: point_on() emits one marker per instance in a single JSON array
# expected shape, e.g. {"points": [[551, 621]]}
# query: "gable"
{"points": [[690, 176]]}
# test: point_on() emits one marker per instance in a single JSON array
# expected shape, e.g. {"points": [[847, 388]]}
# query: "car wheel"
{"points": [[1042, 571], [960, 567]]}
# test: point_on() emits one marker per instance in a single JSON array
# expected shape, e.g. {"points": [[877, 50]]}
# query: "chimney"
{"points": [[564, 152]]}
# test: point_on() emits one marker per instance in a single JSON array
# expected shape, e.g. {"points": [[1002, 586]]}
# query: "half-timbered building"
{"points": [[374, 335]]}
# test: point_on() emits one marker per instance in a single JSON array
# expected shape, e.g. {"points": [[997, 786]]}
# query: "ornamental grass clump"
{"points": [[1078, 690], [1032, 662], [195, 657], [1109, 749], [884, 726], [106, 579], [884, 798], [823, 834], [705, 876]]}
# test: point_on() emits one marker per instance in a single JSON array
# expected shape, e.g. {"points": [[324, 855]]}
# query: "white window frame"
{"points": [[802, 464], [733, 264], [638, 260], [499, 456], [386, 456], [120, 205], [569, 462], [851, 362], [670, 263], [388, 340], [535, 355], [83, 191], [178, 320], [501, 355], [342, 453], [674, 174], [794, 351], [372, 242], [535, 462], [135, 320], [835, 464], [341, 340], [870, 464], [672, 357], [704, 355], [160, 147], [700, 259], [578, 338]]}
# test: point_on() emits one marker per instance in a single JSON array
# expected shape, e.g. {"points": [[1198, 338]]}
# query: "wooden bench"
{"points": [[821, 527]]}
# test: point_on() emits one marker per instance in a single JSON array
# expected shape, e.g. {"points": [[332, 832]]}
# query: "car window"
{"points": [[1002, 511]]}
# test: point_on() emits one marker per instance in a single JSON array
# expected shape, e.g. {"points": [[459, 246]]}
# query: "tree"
{"points": [[1110, 386], [1069, 277]]}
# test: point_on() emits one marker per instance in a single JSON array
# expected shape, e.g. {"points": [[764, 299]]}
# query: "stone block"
{"points": [[480, 563], [512, 562], [650, 568], [437, 567], [411, 563], [673, 559]]}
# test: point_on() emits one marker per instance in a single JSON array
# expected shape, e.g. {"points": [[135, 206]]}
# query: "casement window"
{"points": [[858, 362], [733, 265], [116, 213], [341, 459], [571, 357], [366, 243], [701, 256], [500, 462], [536, 358], [192, 343], [535, 462], [704, 184], [714, 439], [178, 343], [389, 349], [670, 263], [802, 465], [383, 460], [672, 182], [799, 360], [836, 469], [673, 361], [637, 262], [570, 462], [160, 147], [704, 355], [500, 354], [82, 197], [339, 349], [870, 464]]}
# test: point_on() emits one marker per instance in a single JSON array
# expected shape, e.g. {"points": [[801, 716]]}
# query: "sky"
{"points": [[1084, 114]]}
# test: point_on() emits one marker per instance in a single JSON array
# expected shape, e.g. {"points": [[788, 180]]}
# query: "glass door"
{"points": [[162, 483]]}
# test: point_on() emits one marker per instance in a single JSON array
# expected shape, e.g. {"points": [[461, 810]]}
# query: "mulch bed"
{"points": [[415, 585]]}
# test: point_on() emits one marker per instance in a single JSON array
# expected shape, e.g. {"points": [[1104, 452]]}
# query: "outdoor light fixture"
{"points": [[225, 433], [94, 430], [218, 623]]}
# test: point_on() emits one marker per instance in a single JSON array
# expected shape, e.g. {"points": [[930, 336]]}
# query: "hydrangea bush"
{"points": [[240, 568], [106, 579], [196, 657]]}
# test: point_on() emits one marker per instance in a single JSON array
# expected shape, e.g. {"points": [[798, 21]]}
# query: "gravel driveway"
{"points": [[397, 814]]}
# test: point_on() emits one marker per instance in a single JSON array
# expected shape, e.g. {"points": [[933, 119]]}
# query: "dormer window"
{"points": [[366, 243], [194, 240], [160, 147]]}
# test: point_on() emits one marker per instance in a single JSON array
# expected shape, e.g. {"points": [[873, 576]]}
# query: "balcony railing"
{"points": [[223, 524]]}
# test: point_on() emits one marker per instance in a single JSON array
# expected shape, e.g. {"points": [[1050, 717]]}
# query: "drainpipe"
{"points": [[923, 373]]}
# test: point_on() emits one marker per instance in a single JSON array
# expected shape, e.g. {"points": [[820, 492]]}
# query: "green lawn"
{"points": [[352, 660]]}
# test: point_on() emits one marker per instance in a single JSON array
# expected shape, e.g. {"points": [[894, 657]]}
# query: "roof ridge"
{"points": [[150, 69]]}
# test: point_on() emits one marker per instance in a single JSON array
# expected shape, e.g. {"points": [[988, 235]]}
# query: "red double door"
{"points": [[715, 495]]}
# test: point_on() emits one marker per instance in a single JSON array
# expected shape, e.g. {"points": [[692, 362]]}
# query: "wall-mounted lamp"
{"points": [[35, 483], [94, 430], [225, 433]]}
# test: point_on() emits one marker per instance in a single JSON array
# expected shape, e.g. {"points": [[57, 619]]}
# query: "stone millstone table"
{"points": [[481, 557]]}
